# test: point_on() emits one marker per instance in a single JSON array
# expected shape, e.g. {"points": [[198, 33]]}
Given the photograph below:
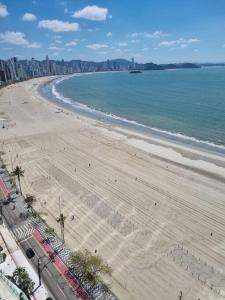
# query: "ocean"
{"points": [[186, 105]]}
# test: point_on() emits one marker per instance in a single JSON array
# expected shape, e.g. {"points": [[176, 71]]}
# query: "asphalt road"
{"points": [[52, 279]]}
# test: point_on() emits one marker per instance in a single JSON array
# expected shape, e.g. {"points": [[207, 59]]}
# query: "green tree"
{"points": [[19, 172], [61, 220], [92, 266], [21, 278], [30, 200]]}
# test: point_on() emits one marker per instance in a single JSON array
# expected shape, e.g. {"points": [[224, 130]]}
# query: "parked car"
{"points": [[30, 253]]}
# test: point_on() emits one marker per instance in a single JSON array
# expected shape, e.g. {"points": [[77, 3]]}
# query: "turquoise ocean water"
{"points": [[186, 105]]}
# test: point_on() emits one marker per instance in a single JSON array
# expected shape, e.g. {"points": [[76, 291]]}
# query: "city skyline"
{"points": [[101, 30]]}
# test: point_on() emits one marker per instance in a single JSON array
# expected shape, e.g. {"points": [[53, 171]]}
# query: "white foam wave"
{"points": [[168, 133], [60, 96], [109, 116]]}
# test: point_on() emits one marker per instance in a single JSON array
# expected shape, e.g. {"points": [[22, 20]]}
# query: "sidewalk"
{"points": [[4, 189], [15, 258]]}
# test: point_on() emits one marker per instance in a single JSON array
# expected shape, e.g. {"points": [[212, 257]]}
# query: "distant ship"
{"points": [[135, 72]]}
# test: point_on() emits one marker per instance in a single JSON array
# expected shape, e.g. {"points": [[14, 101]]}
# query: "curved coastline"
{"points": [[169, 195], [49, 91]]}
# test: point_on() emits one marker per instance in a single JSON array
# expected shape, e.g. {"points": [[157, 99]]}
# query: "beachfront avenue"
{"points": [[48, 253]]}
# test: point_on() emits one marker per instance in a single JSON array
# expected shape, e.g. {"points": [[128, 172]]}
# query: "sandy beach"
{"points": [[154, 210]]}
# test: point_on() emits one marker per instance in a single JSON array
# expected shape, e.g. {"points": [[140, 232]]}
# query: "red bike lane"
{"points": [[61, 267]]}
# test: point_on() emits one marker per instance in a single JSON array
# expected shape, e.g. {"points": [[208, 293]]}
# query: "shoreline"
{"points": [[141, 139], [136, 127], [138, 200]]}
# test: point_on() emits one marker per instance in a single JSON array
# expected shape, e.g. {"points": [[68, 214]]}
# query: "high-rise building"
{"points": [[13, 70], [3, 75]]}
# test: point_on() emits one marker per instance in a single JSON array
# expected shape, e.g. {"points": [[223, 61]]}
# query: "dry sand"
{"points": [[149, 207]]}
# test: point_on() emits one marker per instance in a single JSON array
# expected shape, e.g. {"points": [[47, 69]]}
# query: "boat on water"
{"points": [[135, 72]]}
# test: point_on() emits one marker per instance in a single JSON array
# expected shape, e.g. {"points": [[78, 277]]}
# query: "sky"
{"points": [[160, 31]]}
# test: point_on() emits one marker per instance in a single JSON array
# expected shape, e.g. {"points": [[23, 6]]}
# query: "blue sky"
{"points": [[149, 30]]}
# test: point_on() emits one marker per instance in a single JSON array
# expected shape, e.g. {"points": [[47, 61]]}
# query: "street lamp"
{"points": [[40, 270], [1, 205]]}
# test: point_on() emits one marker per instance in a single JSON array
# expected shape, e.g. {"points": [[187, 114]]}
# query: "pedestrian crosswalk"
{"points": [[56, 243], [61, 250], [23, 231]]}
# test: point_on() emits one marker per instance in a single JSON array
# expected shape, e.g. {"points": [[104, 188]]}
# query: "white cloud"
{"points": [[168, 43], [156, 34], [56, 48], [17, 38], [58, 41], [29, 17], [145, 49], [11, 37], [97, 46], [93, 13], [109, 34], [135, 41], [3, 10], [122, 44], [193, 40], [58, 26], [72, 43], [183, 43]]}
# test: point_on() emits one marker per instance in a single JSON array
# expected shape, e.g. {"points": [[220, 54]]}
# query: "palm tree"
{"points": [[61, 220], [21, 278], [92, 266], [19, 172]]}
